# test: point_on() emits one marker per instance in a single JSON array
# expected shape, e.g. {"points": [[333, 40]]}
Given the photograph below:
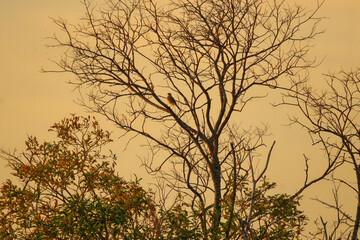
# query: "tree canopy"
{"points": [[213, 57]]}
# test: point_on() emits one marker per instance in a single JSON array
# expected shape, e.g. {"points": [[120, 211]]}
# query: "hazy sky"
{"points": [[31, 101]]}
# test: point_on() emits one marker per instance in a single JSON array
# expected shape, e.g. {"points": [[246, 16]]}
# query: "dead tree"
{"points": [[214, 57], [332, 118]]}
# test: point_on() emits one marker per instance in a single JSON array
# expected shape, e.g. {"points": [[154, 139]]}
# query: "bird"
{"points": [[171, 100]]}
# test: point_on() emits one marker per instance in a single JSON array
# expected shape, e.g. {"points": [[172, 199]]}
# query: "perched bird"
{"points": [[171, 100]]}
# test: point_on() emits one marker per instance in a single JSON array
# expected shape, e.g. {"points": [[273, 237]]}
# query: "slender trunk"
{"points": [[217, 196], [357, 218], [357, 172], [233, 196]]}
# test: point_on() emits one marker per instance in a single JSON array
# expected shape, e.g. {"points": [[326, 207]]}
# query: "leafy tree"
{"points": [[213, 57], [70, 190]]}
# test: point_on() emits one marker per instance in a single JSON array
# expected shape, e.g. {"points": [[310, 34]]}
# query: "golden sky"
{"points": [[30, 101]]}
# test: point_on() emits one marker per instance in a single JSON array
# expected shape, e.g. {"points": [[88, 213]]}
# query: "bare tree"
{"points": [[214, 57], [333, 120]]}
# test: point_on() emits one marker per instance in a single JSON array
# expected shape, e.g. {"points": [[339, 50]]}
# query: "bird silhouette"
{"points": [[171, 100]]}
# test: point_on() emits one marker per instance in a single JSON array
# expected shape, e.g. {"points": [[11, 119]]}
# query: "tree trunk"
{"points": [[357, 218], [217, 195]]}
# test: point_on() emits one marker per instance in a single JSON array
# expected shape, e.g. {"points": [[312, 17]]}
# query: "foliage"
{"points": [[70, 189], [273, 216]]}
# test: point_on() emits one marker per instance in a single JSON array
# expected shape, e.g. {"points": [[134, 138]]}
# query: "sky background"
{"points": [[31, 101]]}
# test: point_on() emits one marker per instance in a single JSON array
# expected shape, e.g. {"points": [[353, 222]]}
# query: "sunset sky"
{"points": [[30, 101]]}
